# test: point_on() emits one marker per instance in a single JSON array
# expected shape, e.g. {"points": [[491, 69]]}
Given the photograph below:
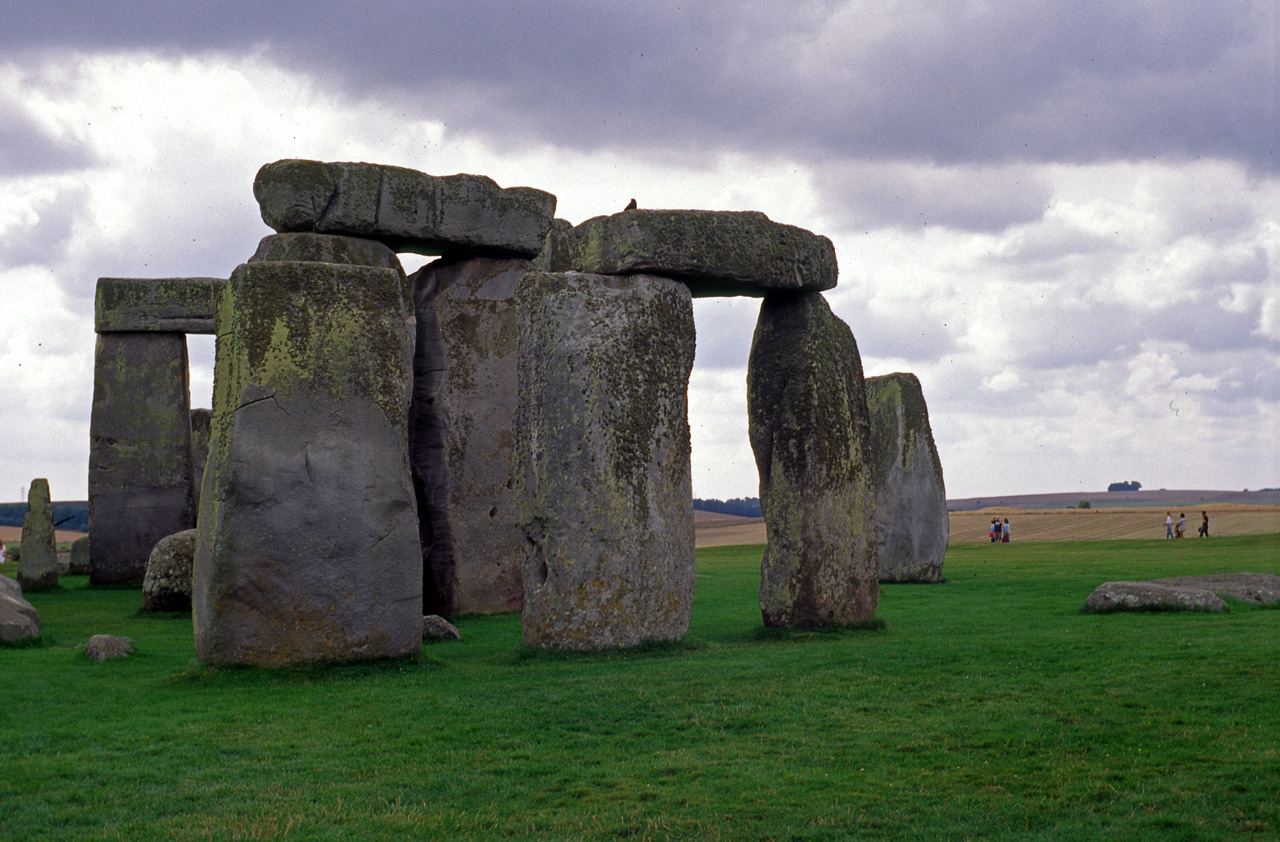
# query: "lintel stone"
{"points": [[164, 305]]}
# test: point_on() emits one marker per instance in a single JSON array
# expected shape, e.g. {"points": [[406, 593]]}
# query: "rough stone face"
{"points": [[79, 563], [308, 537], [1252, 588], [167, 586], [408, 210], [602, 459], [1150, 596], [38, 562], [18, 619], [807, 409], [166, 305], [477, 313], [435, 627], [104, 647], [201, 419], [912, 527], [139, 451], [325, 248], [713, 252]]}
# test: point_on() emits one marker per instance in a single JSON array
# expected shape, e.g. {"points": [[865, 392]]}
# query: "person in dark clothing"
{"points": [[1204, 524]]}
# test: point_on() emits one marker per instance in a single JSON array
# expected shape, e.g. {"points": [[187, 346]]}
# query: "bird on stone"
{"points": [[631, 205]]}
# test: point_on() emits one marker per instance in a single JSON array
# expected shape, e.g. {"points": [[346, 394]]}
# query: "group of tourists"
{"points": [[998, 532], [1178, 530]]}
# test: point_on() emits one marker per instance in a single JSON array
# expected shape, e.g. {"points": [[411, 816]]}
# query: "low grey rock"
{"points": [[435, 627], [1252, 588], [713, 252], [166, 305], [1150, 596], [18, 618], [38, 561], [104, 647], [78, 565], [912, 525], [407, 210], [167, 586]]}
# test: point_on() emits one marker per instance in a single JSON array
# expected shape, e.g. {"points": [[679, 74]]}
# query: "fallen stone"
{"points": [[139, 451], [435, 627], [166, 305], [1150, 596], [79, 563], [104, 647], [1251, 588], [912, 526], [602, 459], [405, 209], [167, 586], [18, 618], [807, 410], [38, 561], [713, 252], [308, 535]]}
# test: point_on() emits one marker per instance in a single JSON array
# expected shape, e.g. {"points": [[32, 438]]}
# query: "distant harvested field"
{"points": [[14, 533], [714, 530]]}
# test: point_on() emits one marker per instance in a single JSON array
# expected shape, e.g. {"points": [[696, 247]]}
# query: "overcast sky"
{"points": [[1062, 215]]}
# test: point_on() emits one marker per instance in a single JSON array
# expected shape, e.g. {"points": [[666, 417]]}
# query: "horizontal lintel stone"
{"points": [[164, 305]]}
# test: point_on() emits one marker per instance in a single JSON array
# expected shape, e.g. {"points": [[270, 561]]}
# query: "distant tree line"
{"points": [[73, 517], [740, 506], [1124, 486]]}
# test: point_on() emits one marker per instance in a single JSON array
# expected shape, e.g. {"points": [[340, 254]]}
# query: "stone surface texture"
{"points": [[807, 410], [167, 586], [38, 562], [79, 563], [104, 647], [1150, 596], [713, 252], [912, 526], [201, 422], [435, 627], [308, 536], [165, 305], [18, 619], [1252, 588], [602, 459], [406, 209], [477, 314], [139, 451]]}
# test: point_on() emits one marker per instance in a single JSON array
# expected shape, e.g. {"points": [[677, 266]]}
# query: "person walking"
{"points": [[1004, 532], [1182, 524], [1168, 524], [1204, 524]]}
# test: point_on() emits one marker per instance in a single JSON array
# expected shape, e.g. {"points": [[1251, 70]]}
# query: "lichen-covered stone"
{"points": [[104, 647], [405, 209], [38, 561], [79, 563], [435, 627], [308, 537], [807, 410], [167, 586], [912, 526], [476, 308], [325, 248], [1151, 596], [139, 451], [165, 305], [1250, 588], [201, 420], [602, 459], [18, 618], [713, 252]]}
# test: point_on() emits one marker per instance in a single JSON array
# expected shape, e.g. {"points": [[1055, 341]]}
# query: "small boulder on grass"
{"points": [[167, 584], [1251, 588], [435, 627], [18, 619], [1151, 596], [102, 647]]}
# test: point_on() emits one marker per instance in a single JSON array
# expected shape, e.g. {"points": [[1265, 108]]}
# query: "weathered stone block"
{"points": [[807, 409], [602, 459], [105, 647], [166, 305], [912, 526], [139, 451], [18, 618], [714, 252], [38, 562], [167, 586], [1151, 596], [325, 248], [406, 209], [201, 419], [79, 564], [307, 547]]}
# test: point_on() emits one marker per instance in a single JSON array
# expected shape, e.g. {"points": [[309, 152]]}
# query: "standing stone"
{"points": [[167, 586], [18, 618], [308, 539], [602, 459], [200, 425], [477, 313], [79, 564], [808, 424], [139, 451], [912, 526], [38, 563]]}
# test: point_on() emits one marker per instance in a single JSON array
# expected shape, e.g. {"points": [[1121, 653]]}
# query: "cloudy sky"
{"points": [[1062, 215]]}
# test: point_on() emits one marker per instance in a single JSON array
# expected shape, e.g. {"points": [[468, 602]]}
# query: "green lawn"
{"points": [[984, 708]]}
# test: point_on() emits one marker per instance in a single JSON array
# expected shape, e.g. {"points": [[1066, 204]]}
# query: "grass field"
{"points": [[987, 707]]}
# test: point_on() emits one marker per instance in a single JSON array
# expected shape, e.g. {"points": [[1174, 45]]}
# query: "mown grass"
{"points": [[984, 708]]}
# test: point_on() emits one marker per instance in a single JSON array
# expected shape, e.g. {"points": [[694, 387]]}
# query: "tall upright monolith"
{"points": [[807, 408], [308, 536], [602, 459], [912, 526], [38, 564]]}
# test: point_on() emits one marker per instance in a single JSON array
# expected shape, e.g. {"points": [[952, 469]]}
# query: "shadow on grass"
{"points": [[806, 633], [310, 673], [641, 651]]}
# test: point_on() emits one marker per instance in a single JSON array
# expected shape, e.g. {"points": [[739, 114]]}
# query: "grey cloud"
{"points": [[26, 148]]}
